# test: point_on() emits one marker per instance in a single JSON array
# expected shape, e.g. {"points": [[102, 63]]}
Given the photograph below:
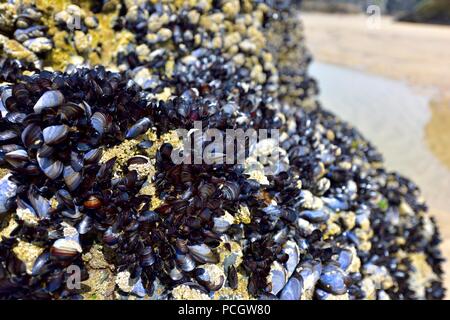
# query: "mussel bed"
{"points": [[92, 205]]}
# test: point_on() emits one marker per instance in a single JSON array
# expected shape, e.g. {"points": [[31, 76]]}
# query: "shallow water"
{"points": [[393, 116]]}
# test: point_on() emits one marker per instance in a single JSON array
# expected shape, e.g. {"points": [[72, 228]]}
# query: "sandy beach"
{"points": [[400, 70]]}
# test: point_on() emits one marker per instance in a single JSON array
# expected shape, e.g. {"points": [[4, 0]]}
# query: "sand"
{"points": [[415, 53]]}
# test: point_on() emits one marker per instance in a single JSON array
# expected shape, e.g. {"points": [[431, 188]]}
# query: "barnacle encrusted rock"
{"points": [[92, 182]]}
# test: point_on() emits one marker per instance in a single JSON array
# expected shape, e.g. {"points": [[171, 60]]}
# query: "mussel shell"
{"points": [[292, 290], [221, 224], [7, 136], [138, 128], [333, 280], [232, 277], [138, 160], [230, 190], [93, 156], [40, 204], [101, 122], [15, 117], [149, 216], [17, 158], [10, 147], [55, 281], [345, 258], [32, 135], [49, 99], [41, 264], [203, 254], [70, 111], [85, 225], [175, 274], [76, 161], [185, 262], [92, 202], [278, 279], [110, 237], [55, 134], [206, 190], [51, 169], [63, 196], [46, 151], [315, 216], [148, 259], [65, 249]]}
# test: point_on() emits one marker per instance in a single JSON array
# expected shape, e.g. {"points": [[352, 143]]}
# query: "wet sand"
{"points": [[416, 53], [394, 85]]}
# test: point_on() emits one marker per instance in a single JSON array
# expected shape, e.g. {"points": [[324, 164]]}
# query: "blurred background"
{"points": [[384, 66]]}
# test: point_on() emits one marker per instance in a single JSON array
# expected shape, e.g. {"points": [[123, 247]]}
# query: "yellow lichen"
{"points": [[183, 292], [243, 215], [143, 170], [27, 216], [331, 230], [241, 292], [3, 172], [122, 152], [421, 274], [27, 253], [234, 251], [169, 137], [9, 227]]}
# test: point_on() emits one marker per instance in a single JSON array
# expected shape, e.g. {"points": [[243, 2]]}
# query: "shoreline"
{"points": [[413, 54]]}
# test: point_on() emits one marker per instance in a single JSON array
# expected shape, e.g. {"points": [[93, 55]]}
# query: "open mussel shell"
{"points": [[138, 160], [290, 248], [278, 278], [210, 276], [49, 99], [55, 134]]}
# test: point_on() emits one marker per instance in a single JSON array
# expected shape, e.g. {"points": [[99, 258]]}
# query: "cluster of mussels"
{"points": [[92, 205]]}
